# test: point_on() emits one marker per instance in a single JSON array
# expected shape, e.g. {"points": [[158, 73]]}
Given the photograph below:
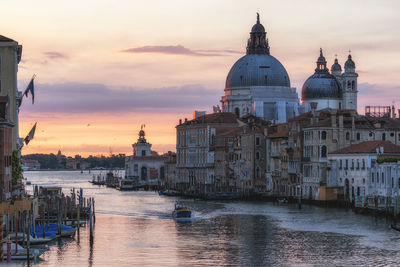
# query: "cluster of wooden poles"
{"points": [[45, 207]]}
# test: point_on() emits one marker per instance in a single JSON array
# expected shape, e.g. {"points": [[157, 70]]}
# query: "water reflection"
{"points": [[136, 229]]}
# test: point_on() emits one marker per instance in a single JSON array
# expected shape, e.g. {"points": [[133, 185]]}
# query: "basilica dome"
{"points": [[257, 67], [322, 84], [257, 70]]}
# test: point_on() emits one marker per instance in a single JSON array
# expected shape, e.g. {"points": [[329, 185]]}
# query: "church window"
{"points": [[347, 136], [358, 136]]}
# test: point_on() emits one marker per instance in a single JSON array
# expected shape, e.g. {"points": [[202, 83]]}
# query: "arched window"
{"points": [[353, 85], [323, 135], [358, 136], [323, 152], [347, 136], [237, 112], [348, 85]]}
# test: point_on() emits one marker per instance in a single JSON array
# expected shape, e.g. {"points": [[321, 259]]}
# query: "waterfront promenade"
{"points": [[135, 228]]}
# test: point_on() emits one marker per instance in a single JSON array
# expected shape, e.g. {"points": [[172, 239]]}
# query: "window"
{"points": [[257, 141], [143, 153], [363, 164], [358, 136], [363, 180], [353, 85], [383, 136], [340, 164], [347, 136], [358, 164], [347, 164], [383, 178], [392, 182], [258, 172], [352, 164], [135, 168], [372, 178], [323, 152], [323, 135], [257, 155]]}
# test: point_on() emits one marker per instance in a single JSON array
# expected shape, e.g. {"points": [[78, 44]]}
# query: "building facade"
{"points": [[145, 166], [10, 56]]}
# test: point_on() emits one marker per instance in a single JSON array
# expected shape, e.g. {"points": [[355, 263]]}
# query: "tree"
{"points": [[16, 167]]}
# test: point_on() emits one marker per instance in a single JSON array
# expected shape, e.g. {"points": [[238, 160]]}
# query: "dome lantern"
{"points": [[336, 69], [258, 42]]}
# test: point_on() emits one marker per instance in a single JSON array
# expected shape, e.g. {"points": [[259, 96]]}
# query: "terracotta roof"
{"points": [[280, 134], [5, 39], [161, 158], [229, 131], [219, 117], [369, 147]]}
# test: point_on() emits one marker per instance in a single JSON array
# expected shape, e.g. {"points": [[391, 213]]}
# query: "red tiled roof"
{"points": [[219, 117], [280, 134], [368, 147]]}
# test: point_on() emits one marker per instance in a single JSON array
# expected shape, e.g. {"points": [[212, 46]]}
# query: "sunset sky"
{"points": [[104, 67]]}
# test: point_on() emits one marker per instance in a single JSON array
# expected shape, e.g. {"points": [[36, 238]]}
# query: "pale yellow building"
{"points": [[10, 56]]}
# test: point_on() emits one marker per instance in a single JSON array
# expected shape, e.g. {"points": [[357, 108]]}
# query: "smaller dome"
{"points": [[321, 86], [349, 65], [336, 67]]}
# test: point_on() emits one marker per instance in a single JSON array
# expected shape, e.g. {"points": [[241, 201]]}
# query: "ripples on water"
{"points": [[136, 229]]}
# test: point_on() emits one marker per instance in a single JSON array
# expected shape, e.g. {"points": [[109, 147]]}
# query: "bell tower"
{"points": [[349, 83]]}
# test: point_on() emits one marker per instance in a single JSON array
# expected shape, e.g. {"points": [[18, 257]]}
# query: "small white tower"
{"points": [[349, 84], [141, 148]]}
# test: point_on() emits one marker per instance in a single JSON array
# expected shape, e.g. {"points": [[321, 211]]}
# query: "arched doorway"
{"points": [[143, 173], [346, 190]]}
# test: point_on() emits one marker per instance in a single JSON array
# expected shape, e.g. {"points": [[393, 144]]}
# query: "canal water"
{"points": [[136, 229]]}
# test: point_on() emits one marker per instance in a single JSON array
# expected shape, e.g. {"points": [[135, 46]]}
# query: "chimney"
{"points": [[313, 106], [185, 119], [341, 121], [393, 112], [180, 121], [333, 118]]}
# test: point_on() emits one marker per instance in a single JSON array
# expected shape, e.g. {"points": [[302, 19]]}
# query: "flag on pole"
{"points": [[29, 137], [30, 88]]}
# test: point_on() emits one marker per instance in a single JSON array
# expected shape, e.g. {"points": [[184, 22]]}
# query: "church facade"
{"points": [[259, 84]]}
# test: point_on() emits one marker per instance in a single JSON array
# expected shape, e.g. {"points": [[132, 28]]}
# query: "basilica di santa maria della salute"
{"points": [[259, 84]]}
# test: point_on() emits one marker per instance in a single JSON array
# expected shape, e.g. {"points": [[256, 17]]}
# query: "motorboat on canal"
{"points": [[126, 184], [181, 212]]}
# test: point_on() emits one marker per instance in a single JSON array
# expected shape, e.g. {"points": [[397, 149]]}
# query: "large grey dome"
{"points": [[320, 86], [257, 70]]}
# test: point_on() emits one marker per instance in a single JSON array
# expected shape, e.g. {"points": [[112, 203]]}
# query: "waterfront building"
{"points": [[367, 171], [6, 149], [195, 150], [259, 84], [145, 166], [335, 90], [10, 56], [277, 169]]}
